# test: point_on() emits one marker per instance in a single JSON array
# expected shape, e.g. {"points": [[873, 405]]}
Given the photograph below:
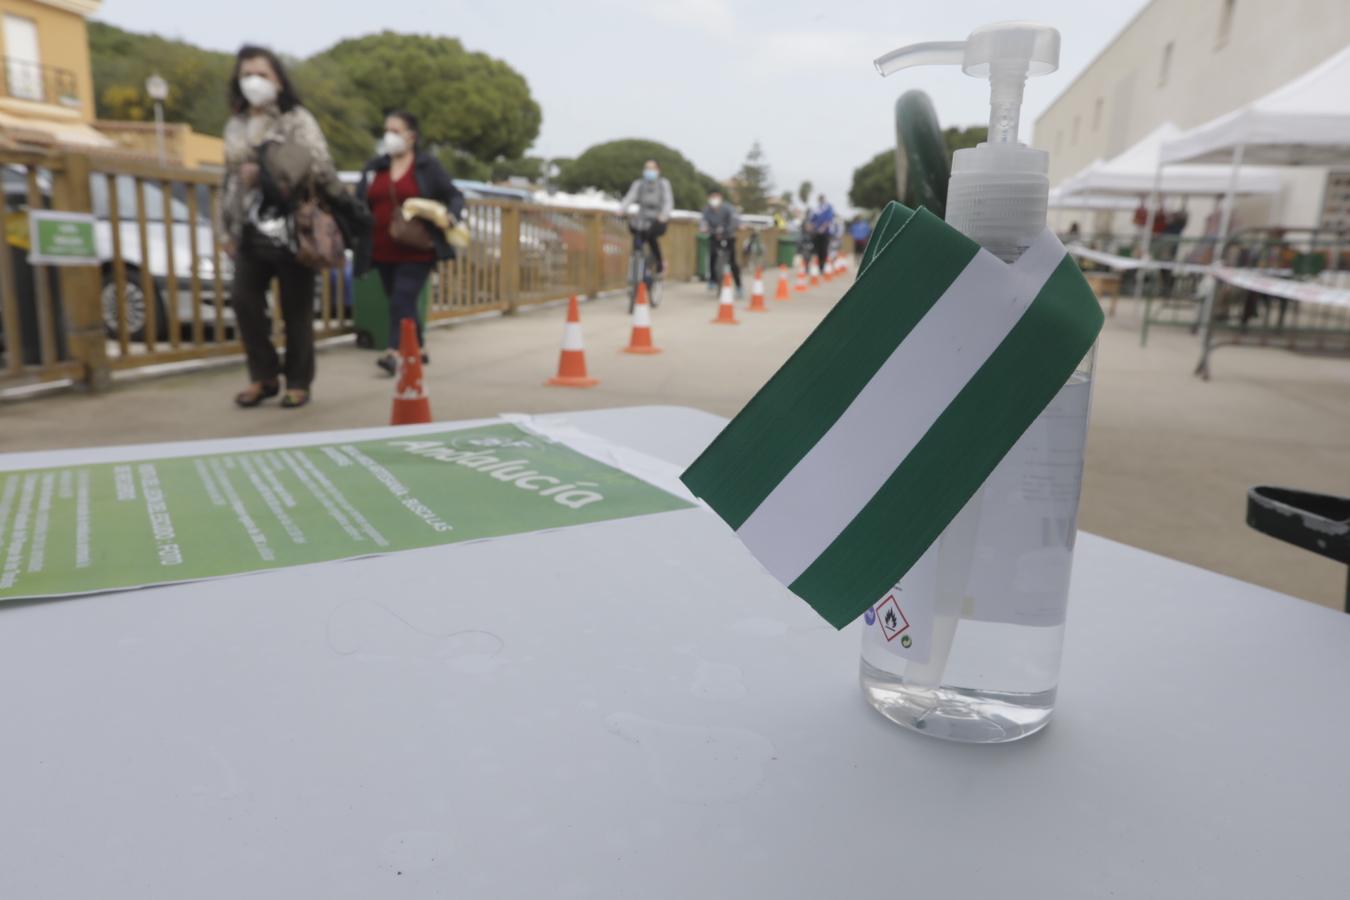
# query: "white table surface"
{"points": [[634, 709]]}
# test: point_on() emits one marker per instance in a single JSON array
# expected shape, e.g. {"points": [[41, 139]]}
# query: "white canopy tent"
{"points": [[1304, 123], [1135, 171]]}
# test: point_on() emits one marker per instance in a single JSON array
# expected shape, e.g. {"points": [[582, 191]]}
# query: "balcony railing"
{"points": [[26, 80]]}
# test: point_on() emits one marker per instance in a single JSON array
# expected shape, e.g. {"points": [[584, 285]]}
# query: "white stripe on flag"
{"points": [[572, 336], [829, 486]]}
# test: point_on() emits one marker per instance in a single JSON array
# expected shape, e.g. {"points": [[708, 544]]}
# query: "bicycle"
{"points": [[642, 269]]}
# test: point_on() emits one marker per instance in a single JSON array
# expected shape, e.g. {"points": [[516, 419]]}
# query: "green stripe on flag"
{"points": [[819, 381], [958, 453]]}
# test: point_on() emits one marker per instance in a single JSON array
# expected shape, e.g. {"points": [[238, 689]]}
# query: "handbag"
{"points": [[408, 232], [318, 242]]}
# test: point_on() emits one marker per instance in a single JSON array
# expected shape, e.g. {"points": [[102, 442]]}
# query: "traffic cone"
{"points": [[726, 306], [841, 264], [827, 271], [757, 292], [572, 361], [782, 292], [411, 406], [800, 286], [641, 340], [815, 272]]}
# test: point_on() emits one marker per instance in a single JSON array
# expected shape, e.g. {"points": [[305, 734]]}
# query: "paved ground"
{"points": [[1169, 457]]}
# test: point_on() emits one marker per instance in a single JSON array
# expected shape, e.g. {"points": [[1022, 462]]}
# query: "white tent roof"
{"points": [[1306, 122], [1133, 171], [1061, 200]]}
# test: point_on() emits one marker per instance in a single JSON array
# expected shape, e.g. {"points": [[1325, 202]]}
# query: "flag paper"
{"points": [[858, 452]]}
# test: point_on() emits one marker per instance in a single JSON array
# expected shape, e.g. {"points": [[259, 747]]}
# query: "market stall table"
{"points": [[634, 709]]}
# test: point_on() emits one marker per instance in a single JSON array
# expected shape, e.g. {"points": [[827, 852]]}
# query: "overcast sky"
{"points": [[707, 77]]}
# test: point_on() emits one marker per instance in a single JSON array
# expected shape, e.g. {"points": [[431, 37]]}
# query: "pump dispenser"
{"points": [[999, 190], [985, 605]]}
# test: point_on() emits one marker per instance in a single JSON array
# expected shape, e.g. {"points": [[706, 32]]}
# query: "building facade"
{"points": [[48, 86], [1188, 61]]}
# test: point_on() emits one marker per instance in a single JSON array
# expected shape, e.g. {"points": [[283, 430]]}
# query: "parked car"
{"points": [[154, 259]]}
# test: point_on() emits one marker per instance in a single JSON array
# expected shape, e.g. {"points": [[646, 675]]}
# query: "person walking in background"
{"points": [[404, 251], [275, 157], [821, 226], [720, 221], [861, 232], [655, 201]]}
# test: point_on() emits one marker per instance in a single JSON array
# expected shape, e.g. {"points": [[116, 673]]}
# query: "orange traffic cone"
{"points": [[726, 305], [782, 292], [411, 406], [572, 361], [841, 264], [641, 340], [815, 272], [757, 292], [800, 286], [827, 271]]}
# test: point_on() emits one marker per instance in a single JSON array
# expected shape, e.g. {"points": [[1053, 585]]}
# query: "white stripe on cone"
{"points": [[725, 297], [836, 478], [572, 336], [642, 316], [759, 286]]}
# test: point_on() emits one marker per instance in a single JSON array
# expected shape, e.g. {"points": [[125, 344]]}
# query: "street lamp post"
{"points": [[158, 89]]}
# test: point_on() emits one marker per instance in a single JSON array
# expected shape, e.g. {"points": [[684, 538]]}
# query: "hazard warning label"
{"points": [[892, 621]]}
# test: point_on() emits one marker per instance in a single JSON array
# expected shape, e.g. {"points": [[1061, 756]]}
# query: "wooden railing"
{"points": [[161, 292]]}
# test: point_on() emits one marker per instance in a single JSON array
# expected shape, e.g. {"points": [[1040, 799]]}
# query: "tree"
{"points": [[753, 184], [465, 101], [874, 182], [529, 167], [804, 192], [613, 165], [197, 78]]}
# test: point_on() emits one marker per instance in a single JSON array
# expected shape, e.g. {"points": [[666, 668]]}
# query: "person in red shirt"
{"points": [[404, 254]]}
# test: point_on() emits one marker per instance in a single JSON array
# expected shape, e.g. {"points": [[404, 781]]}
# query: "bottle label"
{"points": [[1029, 518], [901, 622]]}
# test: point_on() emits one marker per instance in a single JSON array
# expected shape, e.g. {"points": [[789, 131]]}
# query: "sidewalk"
{"points": [[1169, 457]]}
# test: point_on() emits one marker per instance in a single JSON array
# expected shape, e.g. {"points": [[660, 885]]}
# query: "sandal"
{"points": [[256, 394], [294, 399]]}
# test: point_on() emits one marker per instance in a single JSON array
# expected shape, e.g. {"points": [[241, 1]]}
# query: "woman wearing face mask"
{"points": [[275, 154], [404, 252]]}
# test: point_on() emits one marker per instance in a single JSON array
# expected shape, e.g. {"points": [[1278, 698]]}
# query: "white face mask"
{"points": [[715, 202], [257, 90], [395, 144]]}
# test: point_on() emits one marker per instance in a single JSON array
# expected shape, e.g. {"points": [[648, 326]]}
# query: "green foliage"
{"points": [[874, 181], [804, 192], [465, 100], [474, 109], [961, 138], [531, 167], [197, 78], [753, 184], [612, 166], [462, 165]]}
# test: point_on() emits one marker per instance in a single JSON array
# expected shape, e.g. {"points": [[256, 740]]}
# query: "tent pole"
{"points": [[1207, 308], [1147, 255]]}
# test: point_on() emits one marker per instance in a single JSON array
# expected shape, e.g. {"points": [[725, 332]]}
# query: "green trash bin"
{"points": [[701, 242], [787, 247], [370, 312]]}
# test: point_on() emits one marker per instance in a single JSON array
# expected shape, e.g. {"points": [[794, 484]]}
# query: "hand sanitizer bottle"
{"points": [[967, 646]]}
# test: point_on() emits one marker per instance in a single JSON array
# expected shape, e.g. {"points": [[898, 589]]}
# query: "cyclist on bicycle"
{"points": [[720, 221], [655, 201]]}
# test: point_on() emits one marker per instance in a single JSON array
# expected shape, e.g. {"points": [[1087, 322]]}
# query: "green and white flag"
{"points": [[860, 450]]}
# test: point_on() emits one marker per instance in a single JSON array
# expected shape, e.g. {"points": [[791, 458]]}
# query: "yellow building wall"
{"points": [[63, 43]]}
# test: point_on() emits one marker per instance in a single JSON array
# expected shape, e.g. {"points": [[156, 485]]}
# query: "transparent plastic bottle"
{"points": [[967, 646], [1000, 576]]}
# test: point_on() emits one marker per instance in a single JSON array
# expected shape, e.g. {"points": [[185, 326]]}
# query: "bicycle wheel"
{"points": [[652, 278], [635, 274]]}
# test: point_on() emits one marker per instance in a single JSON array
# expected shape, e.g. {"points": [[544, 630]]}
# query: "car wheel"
{"points": [[135, 296]]}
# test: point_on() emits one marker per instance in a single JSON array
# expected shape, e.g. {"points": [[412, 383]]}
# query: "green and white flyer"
{"points": [[99, 527]]}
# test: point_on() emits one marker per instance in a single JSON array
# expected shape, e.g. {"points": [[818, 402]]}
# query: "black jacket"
{"points": [[433, 183]]}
